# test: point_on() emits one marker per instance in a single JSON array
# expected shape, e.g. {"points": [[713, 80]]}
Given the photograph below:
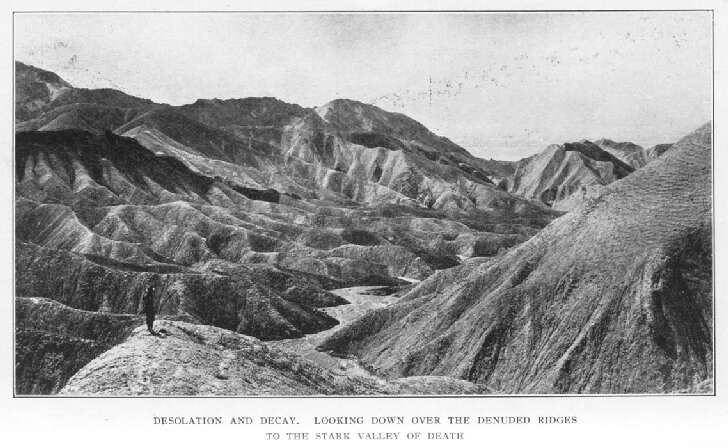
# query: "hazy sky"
{"points": [[501, 85]]}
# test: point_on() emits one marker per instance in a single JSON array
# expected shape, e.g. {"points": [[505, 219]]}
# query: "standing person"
{"points": [[149, 310]]}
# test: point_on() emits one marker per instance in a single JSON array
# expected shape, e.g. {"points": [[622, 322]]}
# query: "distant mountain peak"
{"points": [[40, 74], [34, 89], [630, 153]]}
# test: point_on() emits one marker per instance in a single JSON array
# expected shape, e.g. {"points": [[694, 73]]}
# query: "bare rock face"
{"points": [[35, 89], [44, 101], [53, 341], [259, 118], [243, 214], [168, 126], [564, 176], [358, 152], [343, 151], [100, 218], [628, 152], [614, 297], [202, 360], [224, 157], [239, 301], [657, 150]]}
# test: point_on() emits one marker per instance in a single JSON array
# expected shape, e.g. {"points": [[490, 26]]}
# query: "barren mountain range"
{"points": [[615, 296], [246, 214]]}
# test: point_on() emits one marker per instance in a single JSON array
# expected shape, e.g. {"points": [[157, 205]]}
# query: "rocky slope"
{"points": [[261, 119], [628, 152], [113, 354], [242, 301], [115, 217], [614, 297], [44, 101], [34, 90], [343, 151], [232, 209], [350, 151], [563, 176], [53, 341], [246, 213], [202, 360], [657, 150]]}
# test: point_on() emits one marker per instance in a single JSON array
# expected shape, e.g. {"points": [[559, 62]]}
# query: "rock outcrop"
{"points": [[358, 152], [45, 101], [113, 217], [563, 176], [343, 151], [657, 150], [246, 213], [614, 297], [202, 360], [53, 341], [239, 301], [628, 152], [34, 90]]}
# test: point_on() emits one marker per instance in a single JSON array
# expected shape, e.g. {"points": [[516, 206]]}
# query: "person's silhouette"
{"points": [[149, 310]]}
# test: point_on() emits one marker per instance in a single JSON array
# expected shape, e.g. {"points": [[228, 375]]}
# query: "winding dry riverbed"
{"points": [[359, 304]]}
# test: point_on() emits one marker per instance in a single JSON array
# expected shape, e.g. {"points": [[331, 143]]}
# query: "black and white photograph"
{"points": [[406, 204]]}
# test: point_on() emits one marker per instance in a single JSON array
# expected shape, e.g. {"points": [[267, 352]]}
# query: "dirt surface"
{"points": [[614, 297], [187, 359], [360, 302]]}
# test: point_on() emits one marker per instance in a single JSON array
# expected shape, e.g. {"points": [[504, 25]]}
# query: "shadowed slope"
{"points": [[34, 90], [614, 297], [201, 360], [104, 169], [202, 139], [345, 151], [360, 153], [108, 196], [238, 300], [259, 118], [53, 341], [42, 97], [657, 150], [563, 176], [628, 152]]}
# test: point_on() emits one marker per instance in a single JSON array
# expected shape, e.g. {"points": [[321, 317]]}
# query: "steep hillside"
{"points": [[363, 154], [344, 151], [629, 153], [242, 213], [109, 196], [201, 360], [94, 118], [103, 207], [113, 217], [237, 300], [53, 341], [44, 101], [35, 89], [359, 118], [247, 215], [614, 297], [563, 176], [259, 118], [99, 170], [657, 150], [203, 140]]}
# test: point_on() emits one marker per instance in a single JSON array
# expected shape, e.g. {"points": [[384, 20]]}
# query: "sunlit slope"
{"points": [[614, 297]]}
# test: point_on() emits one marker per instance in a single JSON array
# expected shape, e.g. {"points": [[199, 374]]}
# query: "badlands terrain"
{"points": [[344, 249]]}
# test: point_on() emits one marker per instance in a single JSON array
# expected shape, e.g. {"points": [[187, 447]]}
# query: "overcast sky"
{"points": [[501, 85]]}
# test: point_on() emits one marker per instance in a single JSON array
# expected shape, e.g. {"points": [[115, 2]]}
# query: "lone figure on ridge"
{"points": [[149, 310]]}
